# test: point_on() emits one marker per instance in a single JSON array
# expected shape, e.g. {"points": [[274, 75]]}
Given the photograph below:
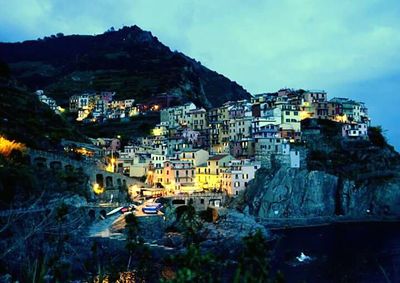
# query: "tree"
{"points": [[135, 246], [194, 266], [4, 70], [190, 223], [132, 235], [253, 261], [376, 136]]}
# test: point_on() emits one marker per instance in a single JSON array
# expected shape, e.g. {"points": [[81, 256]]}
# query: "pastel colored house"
{"points": [[235, 178]]}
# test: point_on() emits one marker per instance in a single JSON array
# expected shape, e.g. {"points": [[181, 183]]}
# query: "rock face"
{"points": [[294, 193], [226, 235]]}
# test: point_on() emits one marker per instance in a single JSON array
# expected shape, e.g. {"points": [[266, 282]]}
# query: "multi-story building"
{"points": [[243, 148], [235, 178], [198, 119], [240, 128], [314, 96], [178, 115], [354, 111], [208, 174], [179, 176], [355, 131]]}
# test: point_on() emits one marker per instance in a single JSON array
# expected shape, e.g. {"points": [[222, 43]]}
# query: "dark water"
{"points": [[366, 252]]}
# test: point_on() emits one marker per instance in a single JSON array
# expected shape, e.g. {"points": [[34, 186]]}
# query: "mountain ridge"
{"points": [[130, 61]]}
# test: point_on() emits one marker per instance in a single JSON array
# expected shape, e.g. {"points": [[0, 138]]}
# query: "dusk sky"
{"points": [[348, 48]]}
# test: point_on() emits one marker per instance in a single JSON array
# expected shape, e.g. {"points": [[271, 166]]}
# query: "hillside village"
{"points": [[193, 149]]}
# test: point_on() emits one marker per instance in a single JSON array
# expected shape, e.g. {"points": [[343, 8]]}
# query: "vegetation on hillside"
{"points": [[358, 160], [25, 119], [130, 61]]}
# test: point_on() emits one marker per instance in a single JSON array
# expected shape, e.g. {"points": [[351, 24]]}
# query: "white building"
{"points": [[355, 131], [196, 156]]}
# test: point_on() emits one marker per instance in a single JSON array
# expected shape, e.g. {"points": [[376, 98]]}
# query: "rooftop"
{"points": [[217, 157]]}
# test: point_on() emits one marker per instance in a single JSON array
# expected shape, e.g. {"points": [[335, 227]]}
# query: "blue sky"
{"points": [[348, 48]]}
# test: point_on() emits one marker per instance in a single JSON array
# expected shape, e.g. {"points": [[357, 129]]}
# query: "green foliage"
{"points": [[20, 182], [139, 254], [208, 214], [190, 224], [359, 160], [376, 136], [25, 119], [4, 70], [129, 61], [253, 261], [132, 230], [194, 266]]}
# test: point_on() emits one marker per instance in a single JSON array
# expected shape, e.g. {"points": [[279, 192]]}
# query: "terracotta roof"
{"points": [[217, 157]]}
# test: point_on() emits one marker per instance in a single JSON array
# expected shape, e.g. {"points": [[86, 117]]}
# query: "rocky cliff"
{"points": [[298, 193], [351, 178]]}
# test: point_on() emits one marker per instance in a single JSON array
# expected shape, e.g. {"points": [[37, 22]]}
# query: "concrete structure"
{"points": [[99, 180]]}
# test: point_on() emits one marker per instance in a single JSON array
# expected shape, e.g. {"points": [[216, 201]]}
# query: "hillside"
{"points": [[25, 119], [130, 61]]}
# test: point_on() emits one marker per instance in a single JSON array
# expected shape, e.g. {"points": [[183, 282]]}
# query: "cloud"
{"points": [[339, 46]]}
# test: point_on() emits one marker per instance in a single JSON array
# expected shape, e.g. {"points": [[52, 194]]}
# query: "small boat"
{"points": [[152, 208]]}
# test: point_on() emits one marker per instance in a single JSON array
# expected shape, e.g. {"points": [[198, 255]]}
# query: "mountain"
{"points": [[130, 61]]}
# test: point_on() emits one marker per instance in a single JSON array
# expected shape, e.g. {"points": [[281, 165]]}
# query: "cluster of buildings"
{"points": [[97, 107], [193, 149], [49, 101]]}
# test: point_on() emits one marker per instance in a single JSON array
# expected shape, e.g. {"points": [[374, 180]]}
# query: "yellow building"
{"points": [[208, 175]]}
